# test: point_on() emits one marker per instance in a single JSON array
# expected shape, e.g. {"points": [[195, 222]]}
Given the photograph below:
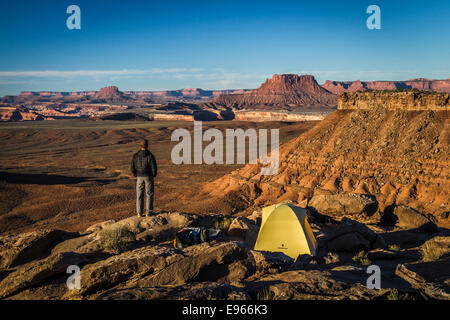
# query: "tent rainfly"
{"points": [[285, 228]]}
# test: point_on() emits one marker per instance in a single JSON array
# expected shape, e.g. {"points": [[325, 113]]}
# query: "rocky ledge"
{"points": [[403, 99], [135, 259]]}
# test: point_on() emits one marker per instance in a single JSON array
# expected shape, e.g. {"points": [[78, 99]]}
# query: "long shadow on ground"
{"points": [[43, 179]]}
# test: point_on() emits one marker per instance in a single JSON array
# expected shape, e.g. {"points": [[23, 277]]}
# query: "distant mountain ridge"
{"points": [[114, 95], [420, 84], [282, 91]]}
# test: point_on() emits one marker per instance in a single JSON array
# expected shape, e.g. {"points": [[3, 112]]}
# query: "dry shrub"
{"points": [[362, 258], [116, 238], [431, 251]]}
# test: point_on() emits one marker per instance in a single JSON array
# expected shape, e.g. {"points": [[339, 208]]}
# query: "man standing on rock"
{"points": [[143, 166]]}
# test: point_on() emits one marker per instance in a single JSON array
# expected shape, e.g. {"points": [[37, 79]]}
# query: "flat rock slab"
{"points": [[120, 268], [433, 278], [38, 271], [191, 291], [223, 262], [308, 285], [19, 249]]}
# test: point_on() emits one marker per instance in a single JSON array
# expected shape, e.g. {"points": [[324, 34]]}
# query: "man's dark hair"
{"points": [[144, 144]]}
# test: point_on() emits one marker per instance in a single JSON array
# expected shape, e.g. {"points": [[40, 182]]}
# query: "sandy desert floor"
{"points": [[69, 174]]}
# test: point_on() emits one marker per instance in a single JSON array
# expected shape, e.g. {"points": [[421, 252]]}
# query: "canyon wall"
{"points": [[276, 116], [420, 84], [405, 100]]}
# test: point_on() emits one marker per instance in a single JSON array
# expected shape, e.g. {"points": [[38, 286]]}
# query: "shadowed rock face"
{"points": [[19, 114], [286, 90], [19, 249]]}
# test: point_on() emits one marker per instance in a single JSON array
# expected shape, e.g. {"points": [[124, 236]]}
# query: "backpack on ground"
{"points": [[190, 236]]}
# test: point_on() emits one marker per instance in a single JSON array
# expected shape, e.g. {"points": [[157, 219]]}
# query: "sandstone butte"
{"points": [[390, 145], [281, 91]]}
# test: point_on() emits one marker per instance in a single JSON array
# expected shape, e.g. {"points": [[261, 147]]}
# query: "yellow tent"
{"points": [[285, 228]]}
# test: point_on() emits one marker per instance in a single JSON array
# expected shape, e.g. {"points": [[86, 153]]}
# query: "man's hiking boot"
{"points": [[150, 213]]}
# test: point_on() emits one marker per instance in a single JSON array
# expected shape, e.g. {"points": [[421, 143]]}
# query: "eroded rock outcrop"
{"points": [[352, 236], [288, 91], [403, 100], [153, 269], [38, 271], [420, 84], [396, 155], [19, 249]]}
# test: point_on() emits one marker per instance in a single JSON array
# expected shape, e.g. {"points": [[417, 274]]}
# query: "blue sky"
{"points": [[155, 45]]}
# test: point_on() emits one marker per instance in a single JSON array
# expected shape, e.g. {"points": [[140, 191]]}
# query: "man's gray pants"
{"points": [[144, 187]]}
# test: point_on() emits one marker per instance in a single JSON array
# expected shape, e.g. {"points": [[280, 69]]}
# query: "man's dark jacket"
{"points": [[144, 164]]}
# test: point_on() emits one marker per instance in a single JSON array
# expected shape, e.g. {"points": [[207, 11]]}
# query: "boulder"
{"points": [[89, 245], [270, 262], [107, 273], [244, 229], [19, 249], [351, 242], [219, 262], [36, 272], [343, 204], [99, 226], [410, 218], [351, 236], [160, 227]]}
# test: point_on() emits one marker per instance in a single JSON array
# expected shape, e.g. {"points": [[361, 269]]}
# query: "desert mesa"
{"points": [[286, 97]]}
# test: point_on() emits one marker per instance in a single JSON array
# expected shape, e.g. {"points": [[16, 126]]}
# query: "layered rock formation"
{"points": [[276, 116], [420, 84], [286, 91], [110, 94], [113, 94], [19, 114], [404, 100], [401, 157]]}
